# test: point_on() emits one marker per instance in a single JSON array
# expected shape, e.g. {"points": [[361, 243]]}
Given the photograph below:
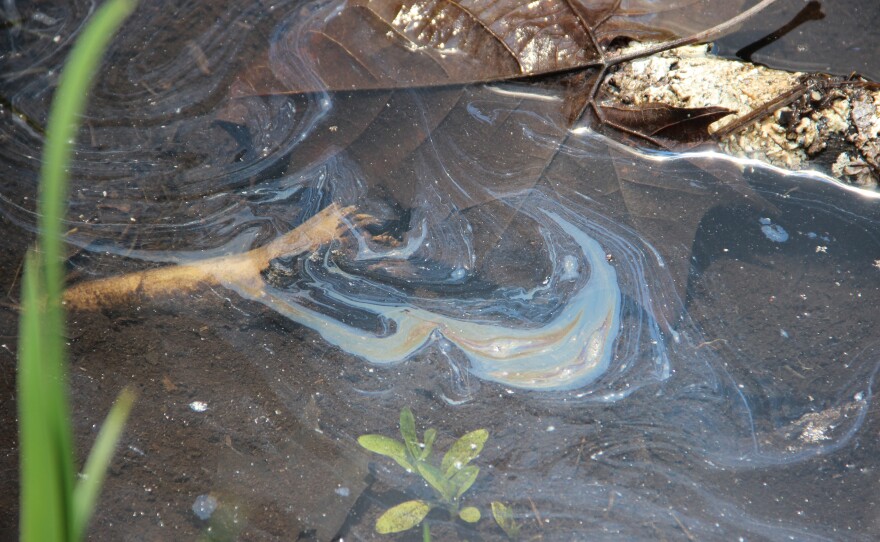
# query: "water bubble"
{"points": [[774, 232], [204, 506], [569, 268]]}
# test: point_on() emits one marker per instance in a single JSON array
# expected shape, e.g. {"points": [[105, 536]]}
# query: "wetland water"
{"points": [[660, 346]]}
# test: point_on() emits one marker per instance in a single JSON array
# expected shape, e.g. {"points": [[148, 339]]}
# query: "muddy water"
{"points": [[676, 346]]}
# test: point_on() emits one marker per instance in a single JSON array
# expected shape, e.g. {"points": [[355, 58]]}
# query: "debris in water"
{"points": [[825, 123], [204, 506], [774, 232]]}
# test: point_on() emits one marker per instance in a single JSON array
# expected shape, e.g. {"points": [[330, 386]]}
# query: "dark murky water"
{"points": [[660, 346]]}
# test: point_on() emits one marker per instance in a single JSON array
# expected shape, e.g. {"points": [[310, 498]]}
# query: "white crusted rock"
{"points": [[833, 128]]}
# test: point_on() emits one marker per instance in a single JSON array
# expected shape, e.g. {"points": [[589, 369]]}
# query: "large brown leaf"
{"points": [[382, 44], [446, 150], [370, 44], [432, 158], [532, 151]]}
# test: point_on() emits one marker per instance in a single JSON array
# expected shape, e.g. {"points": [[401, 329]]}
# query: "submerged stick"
{"points": [[246, 267]]}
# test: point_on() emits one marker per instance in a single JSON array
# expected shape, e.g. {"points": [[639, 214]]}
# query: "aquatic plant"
{"points": [[53, 506], [449, 480], [503, 516]]}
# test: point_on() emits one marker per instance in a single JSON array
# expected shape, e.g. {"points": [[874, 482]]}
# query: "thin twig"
{"points": [[710, 34], [243, 268], [537, 514], [684, 529], [807, 84]]}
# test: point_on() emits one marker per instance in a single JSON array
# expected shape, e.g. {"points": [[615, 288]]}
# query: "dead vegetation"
{"points": [[792, 120]]}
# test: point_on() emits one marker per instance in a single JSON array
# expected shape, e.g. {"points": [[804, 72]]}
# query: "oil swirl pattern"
{"points": [[642, 342]]}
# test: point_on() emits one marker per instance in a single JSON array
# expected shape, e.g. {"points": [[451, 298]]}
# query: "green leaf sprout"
{"points": [[450, 480]]}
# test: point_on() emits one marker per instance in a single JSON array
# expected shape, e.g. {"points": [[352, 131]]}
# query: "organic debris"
{"points": [[802, 121], [245, 269]]}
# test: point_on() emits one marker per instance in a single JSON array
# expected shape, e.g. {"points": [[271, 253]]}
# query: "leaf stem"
{"points": [[707, 35]]}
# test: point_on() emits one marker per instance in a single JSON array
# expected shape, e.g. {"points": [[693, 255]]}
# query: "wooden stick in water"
{"points": [[246, 267]]}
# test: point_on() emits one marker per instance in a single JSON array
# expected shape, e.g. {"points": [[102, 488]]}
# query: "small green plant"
{"points": [[54, 506], [503, 515], [449, 480]]}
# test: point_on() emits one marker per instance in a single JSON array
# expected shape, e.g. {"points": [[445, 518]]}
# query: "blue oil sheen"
{"points": [[569, 351]]}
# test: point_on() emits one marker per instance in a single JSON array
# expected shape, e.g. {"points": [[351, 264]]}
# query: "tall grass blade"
{"points": [[43, 501], [85, 496], [64, 120], [47, 471]]}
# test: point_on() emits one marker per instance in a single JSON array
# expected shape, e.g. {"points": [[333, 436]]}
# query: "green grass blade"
{"points": [[43, 506], [47, 471], [64, 119], [88, 488]]}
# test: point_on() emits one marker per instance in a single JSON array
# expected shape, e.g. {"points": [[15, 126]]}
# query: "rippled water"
{"points": [[660, 345]]}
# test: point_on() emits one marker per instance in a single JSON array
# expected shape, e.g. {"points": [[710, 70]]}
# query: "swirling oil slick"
{"points": [[654, 341], [573, 348]]}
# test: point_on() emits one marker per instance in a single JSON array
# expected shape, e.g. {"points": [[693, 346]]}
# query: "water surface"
{"points": [[659, 345]]}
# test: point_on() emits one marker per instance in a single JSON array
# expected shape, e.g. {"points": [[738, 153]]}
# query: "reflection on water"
{"points": [[650, 354]]}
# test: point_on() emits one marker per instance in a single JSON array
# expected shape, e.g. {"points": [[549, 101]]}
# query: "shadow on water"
{"points": [[678, 346]]}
